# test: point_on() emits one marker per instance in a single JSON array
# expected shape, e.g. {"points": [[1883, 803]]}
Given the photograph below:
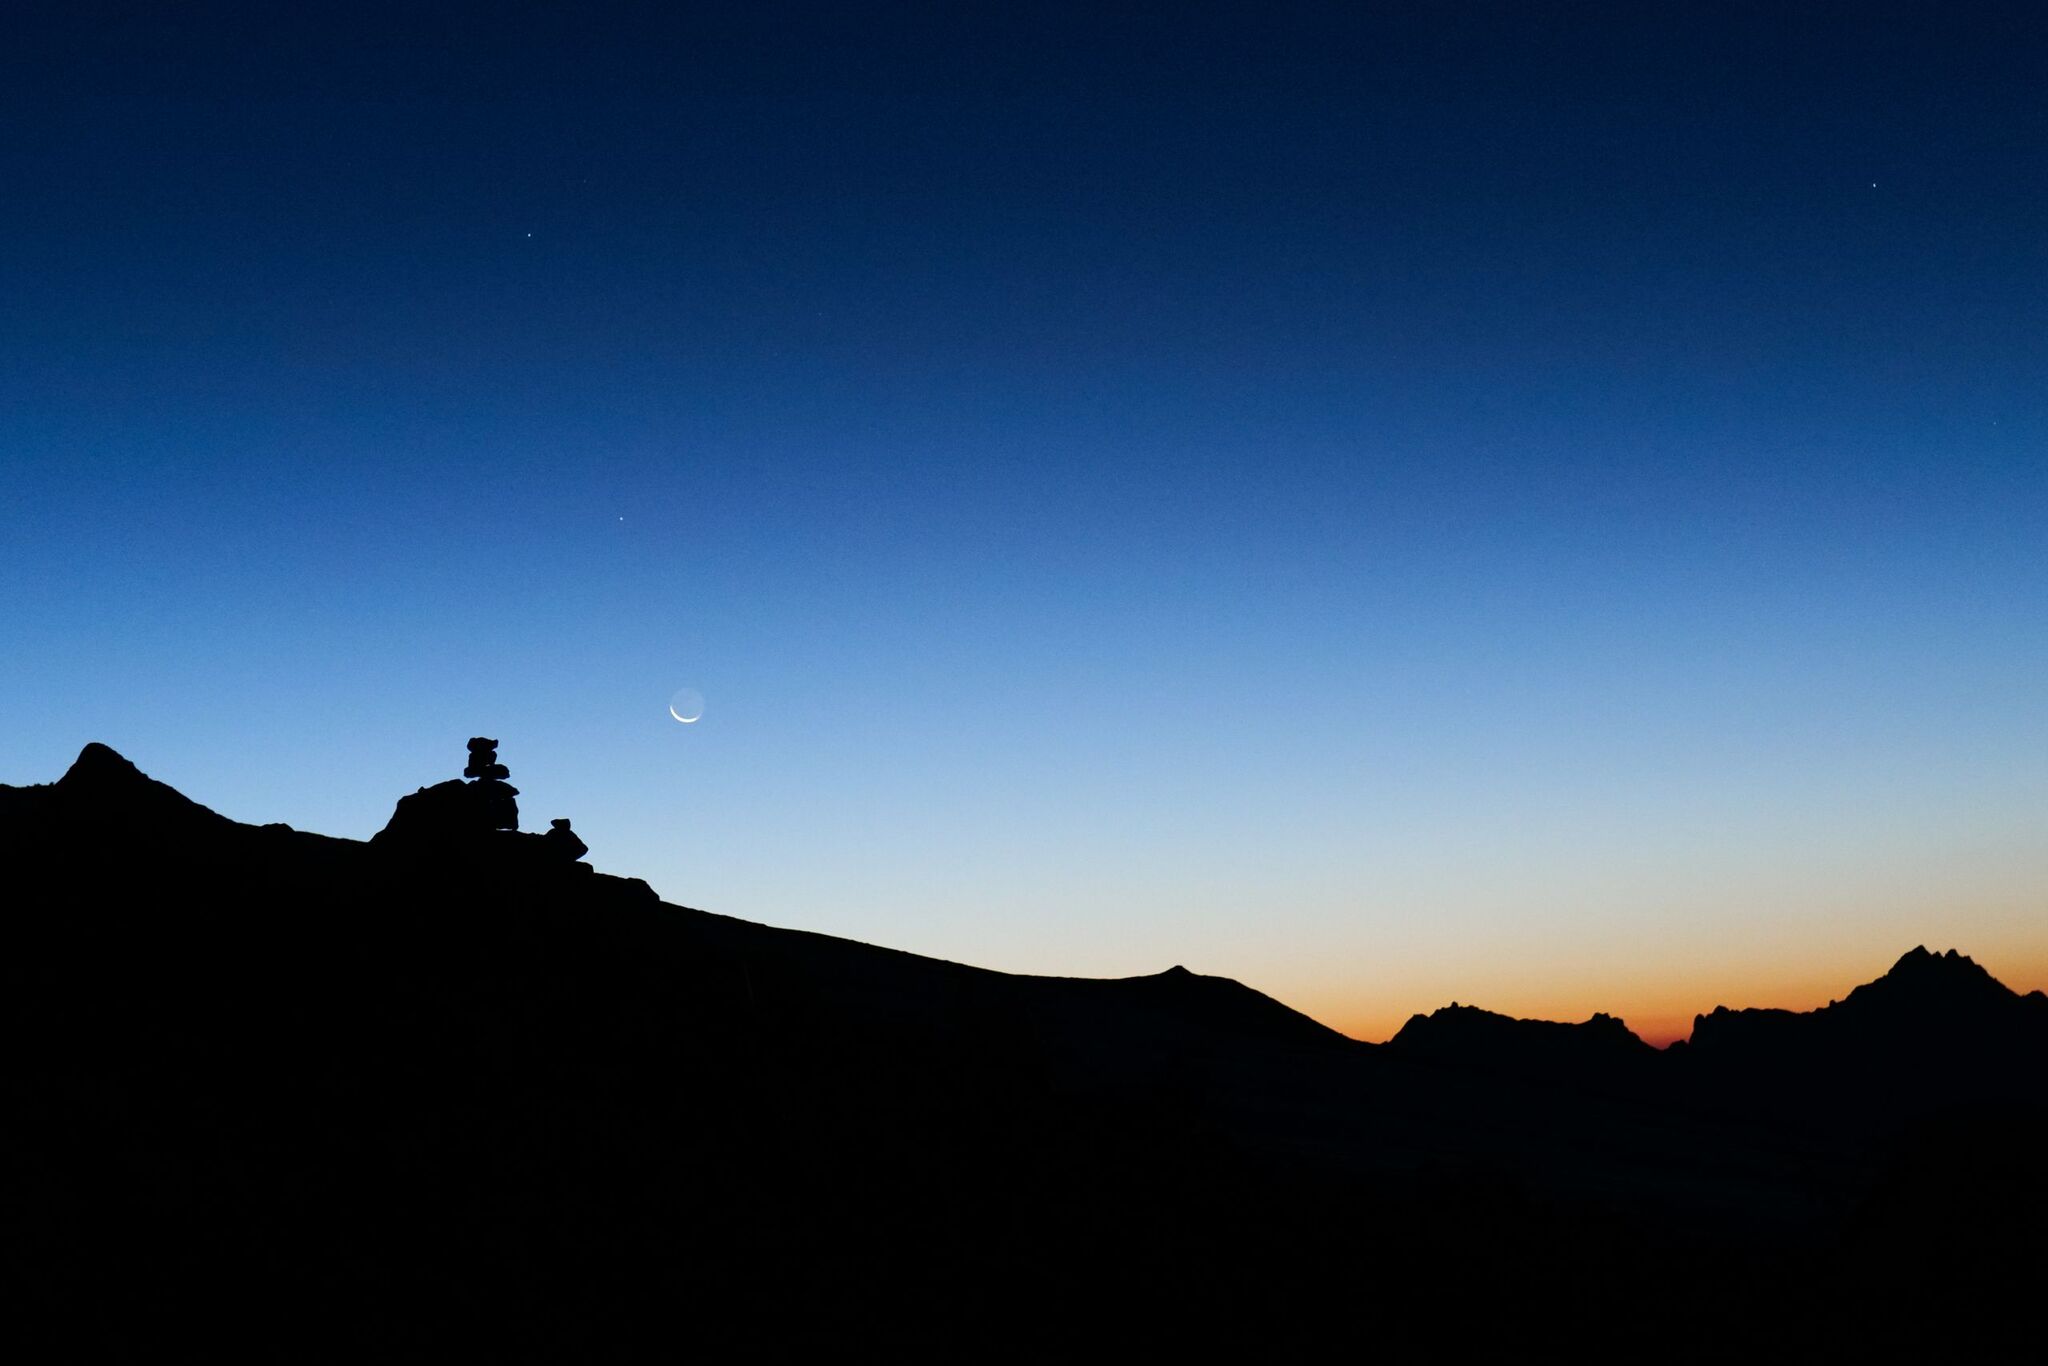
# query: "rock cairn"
{"points": [[483, 761], [492, 794], [475, 815]]}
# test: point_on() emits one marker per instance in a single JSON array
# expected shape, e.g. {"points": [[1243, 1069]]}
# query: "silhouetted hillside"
{"points": [[1925, 997], [1469, 1035], [1936, 1031], [454, 1093]]}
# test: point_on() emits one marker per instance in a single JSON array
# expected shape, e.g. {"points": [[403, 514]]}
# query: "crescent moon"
{"points": [[686, 720]]}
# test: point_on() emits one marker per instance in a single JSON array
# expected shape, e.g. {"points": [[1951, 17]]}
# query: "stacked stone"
{"points": [[565, 841], [491, 792], [483, 761]]}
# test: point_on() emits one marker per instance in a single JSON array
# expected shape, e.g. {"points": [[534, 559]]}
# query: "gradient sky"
{"points": [[1536, 505]]}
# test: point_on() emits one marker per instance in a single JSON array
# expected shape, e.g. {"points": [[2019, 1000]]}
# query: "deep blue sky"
{"points": [[1537, 504]]}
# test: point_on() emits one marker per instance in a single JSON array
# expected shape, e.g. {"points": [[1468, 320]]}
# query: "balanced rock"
{"points": [[565, 841], [483, 760]]}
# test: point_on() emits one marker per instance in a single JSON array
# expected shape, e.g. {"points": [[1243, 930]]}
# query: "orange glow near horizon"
{"points": [[1659, 1010]]}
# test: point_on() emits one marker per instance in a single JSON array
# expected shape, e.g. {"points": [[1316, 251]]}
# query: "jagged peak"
{"points": [[1599, 1020], [1919, 959], [1464, 1027], [1460, 1014], [1924, 973], [1924, 991]]}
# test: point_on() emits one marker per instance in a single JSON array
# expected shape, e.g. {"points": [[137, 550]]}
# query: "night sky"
{"points": [[1536, 505]]}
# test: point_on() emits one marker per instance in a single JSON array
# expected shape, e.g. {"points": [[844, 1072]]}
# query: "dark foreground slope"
{"points": [[272, 1091]]}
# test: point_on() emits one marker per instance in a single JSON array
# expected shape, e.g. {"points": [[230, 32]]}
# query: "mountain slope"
{"points": [[417, 1101]]}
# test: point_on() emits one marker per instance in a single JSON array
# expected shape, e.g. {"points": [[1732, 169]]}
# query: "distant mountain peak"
{"points": [[1921, 973], [98, 764], [106, 782], [1220, 1002], [1927, 1003], [1919, 959], [1471, 1036]]}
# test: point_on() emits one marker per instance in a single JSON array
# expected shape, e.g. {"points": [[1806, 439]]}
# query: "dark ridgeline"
{"points": [[1466, 1036], [451, 1093]]}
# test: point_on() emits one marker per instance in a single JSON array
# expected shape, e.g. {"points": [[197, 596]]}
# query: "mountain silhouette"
{"points": [[1458, 1032], [452, 1092], [101, 785], [1923, 995], [1936, 1030], [1601, 1048]]}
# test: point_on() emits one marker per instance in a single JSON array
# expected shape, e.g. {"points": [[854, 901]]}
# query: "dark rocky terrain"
{"points": [[451, 1092]]}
